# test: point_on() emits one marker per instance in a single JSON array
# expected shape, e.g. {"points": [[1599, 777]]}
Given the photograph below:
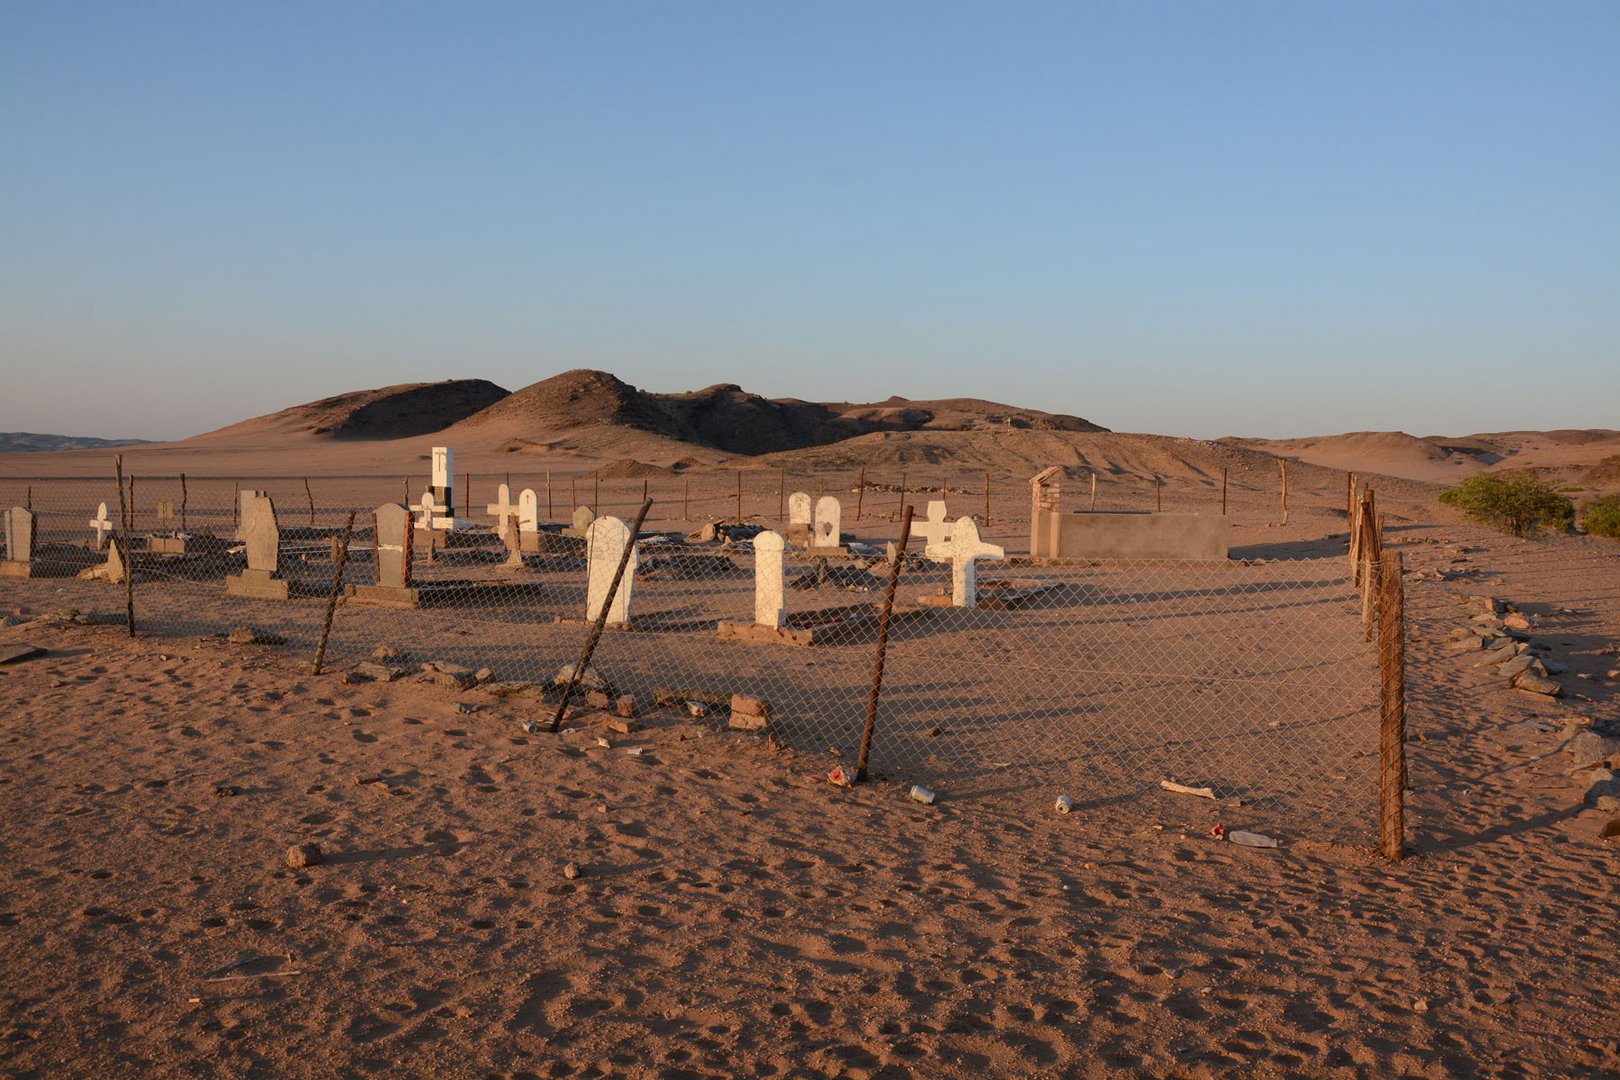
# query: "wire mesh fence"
{"points": [[1255, 680]]}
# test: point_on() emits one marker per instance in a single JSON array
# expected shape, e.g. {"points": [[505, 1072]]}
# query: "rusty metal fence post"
{"points": [[882, 644]]}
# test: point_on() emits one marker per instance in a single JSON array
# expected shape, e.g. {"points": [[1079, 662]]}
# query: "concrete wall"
{"points": [[1097, 535]]}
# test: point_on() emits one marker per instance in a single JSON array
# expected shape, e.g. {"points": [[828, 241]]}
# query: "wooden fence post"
{"points": [[987, 498], [1392, 708], [129, 551], [1284, 465], [860, 493]]}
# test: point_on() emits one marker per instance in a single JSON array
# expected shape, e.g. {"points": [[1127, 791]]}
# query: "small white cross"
{"points": [[964, 550], [102, 525], [502, 508]]}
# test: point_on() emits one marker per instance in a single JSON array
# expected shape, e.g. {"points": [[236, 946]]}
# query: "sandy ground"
{"points": [[727, 914]]}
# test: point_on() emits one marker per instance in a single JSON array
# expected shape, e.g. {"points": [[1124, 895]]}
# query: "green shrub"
{"points": [[1517, 503], [1602, 516]]}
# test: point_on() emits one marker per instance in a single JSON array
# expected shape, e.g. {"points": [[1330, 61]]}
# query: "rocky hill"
{"points": [[22, 441]]}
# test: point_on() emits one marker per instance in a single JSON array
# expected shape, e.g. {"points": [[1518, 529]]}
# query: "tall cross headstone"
{"points": [[605, 542], [102, 525], [770, 567], [444, 479], [964, 550], [829, 522]]}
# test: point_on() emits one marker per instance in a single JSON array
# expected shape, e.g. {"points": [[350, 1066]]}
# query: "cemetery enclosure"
{"points": [[1096, 681]]}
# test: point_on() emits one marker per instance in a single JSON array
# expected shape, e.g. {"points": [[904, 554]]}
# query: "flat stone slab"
{"points": [[806, 628], [16, 654], [257, 588], [438, 593]]}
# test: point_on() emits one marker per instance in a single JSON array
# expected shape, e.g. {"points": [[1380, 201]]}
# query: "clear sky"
{"points": [[1198, 218]]}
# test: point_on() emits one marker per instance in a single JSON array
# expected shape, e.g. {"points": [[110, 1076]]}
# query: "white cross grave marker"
{"points": [[964, 549], [936, 531], [102, 525], [502, 507]]}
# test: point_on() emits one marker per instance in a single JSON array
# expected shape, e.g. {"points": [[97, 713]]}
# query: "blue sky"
{"points": [[1189, 218]]}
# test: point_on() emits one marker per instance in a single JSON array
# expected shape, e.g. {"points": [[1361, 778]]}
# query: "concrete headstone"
{"points": [[829, 523], [529, 511], [605, 542], [770, 567], [20, 535], [263, 535], [394, 534], [799, 508]]}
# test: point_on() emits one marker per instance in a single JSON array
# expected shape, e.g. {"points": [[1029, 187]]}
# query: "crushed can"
{"points": [[1064, 804], [922, 795]]}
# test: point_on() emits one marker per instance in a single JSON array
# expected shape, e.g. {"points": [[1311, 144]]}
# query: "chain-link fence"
{"points": [[1253, 680]]}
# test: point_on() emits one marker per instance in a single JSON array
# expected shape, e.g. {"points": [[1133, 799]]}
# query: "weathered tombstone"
{"points": [[829, 523], [798, 526], [245, 498], [935, 531], [393, 527], [395, 532], [582, 520], [770, 567], [19, 560], [605, 542], [1045, 500], [512, 537], [102, 525], [964, 549], [262, 534]]}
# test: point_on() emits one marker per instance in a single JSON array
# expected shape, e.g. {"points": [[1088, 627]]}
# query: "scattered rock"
{"points": [[301, 855], [625, 706], [597, 700], [386, 652], [571, 872], [1516, 621], [453, 675], [1499, 655], [623, 726], [463, 708], [513, 688], [697, 708], [1516, 665], [588, 681], [381, 672], [1590, 748], [1537, 684], [227, 791], [1420, 1005], [249, 635]]}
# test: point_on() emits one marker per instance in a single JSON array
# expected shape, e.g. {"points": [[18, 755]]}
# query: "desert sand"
{"points": [[500, 903]]}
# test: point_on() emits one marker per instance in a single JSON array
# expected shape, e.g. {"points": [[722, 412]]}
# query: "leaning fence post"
{"points": [[1392, 708], [882, 645], [310, 495], [129, 554], [987, 498], [860, 493], [183, 499], [601, 619], [331, 599]]}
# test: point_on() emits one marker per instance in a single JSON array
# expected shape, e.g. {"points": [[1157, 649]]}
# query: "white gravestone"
{"points": [[936, 531], [444, 473], [770, 566], [102, 525], [964, 549], [529, 511], [799, 508], [605, 542], [829, 523]]}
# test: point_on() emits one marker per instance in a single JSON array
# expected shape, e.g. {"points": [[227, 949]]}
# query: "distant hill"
{"points": [[727, 418], [390, 412], [13, 441], [1561, 454]]}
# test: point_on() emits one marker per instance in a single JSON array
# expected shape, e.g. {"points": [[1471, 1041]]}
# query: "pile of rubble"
{"points": [[1502, 631]]}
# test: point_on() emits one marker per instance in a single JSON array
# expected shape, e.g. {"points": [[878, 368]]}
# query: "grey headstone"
{"points": [[19, 535], [262, 534], [394, 535]]}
